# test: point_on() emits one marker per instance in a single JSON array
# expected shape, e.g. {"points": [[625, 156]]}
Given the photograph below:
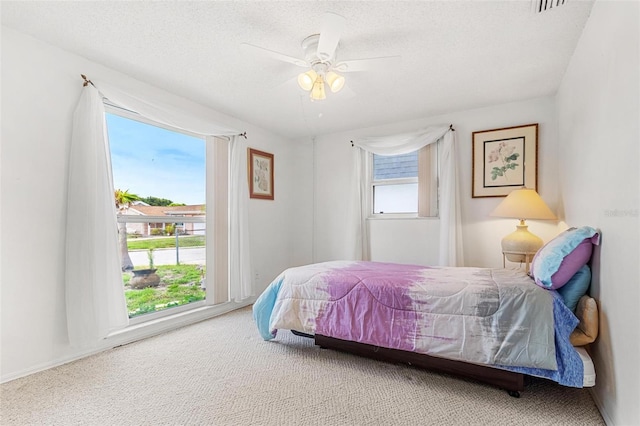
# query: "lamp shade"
{"points": [[523, 204], [335, 81], [317, 92], [306, 79]]}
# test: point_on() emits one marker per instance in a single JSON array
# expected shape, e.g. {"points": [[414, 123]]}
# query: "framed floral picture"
{"points": [[504, 159], [260, 174]]}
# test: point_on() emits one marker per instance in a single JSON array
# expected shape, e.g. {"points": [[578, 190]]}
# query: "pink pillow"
{"points": [[559, 260], [572, 263]]}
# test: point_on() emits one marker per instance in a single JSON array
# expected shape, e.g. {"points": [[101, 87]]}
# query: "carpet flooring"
{"points": [[220, 372]]}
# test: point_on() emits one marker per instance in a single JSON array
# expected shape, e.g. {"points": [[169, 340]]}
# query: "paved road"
{"points": [[191, 255]]}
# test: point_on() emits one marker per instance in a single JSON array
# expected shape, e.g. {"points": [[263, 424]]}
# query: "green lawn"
{"points": [[166, 242], [179, 285]]}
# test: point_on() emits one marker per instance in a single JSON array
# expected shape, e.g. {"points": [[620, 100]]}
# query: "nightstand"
{"points": [[528, 257]]}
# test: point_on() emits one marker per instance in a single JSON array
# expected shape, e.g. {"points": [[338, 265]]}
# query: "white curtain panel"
{"points": [[361, 205], [450, 237], [95, 298], [240, 255], [451, 248]]}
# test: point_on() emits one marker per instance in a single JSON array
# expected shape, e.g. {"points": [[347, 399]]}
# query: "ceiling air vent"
{"points": [[539, 6]]}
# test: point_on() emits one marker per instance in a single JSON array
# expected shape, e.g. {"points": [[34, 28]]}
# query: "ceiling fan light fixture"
{"points": [[317, 92], [307, 79], [335, 81], [321, 59]]}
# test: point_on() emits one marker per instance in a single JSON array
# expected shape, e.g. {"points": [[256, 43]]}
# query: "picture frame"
{"points": [[261, 170], [503, 160]]}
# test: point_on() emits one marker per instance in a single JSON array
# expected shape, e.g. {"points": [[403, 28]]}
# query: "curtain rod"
{"points": [[242, 135], [450, 128], [86, 81]]}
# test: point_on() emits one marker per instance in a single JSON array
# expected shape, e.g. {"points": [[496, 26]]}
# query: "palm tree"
{"points": [[123, 201]]}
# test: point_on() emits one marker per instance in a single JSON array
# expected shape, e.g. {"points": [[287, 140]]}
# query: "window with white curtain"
{"points": [[165, 230], [405, 185]]}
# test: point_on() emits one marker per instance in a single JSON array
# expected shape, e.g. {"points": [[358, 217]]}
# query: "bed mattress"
{"points": [[493, 317], [589, 371]]}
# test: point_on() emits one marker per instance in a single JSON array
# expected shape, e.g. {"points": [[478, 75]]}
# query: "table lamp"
{"points": [[522, 204]]}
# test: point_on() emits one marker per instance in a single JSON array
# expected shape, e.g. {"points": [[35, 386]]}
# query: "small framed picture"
{"points": [[503, 160], [260, 174]]}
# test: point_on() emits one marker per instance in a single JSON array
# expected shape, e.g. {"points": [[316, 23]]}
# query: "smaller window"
{"points": [[395, 183], [405, 184]]}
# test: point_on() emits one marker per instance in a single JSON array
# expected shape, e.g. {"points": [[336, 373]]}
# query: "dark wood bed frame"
{"points": [[512, 382]]}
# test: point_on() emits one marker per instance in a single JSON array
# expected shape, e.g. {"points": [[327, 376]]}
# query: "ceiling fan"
{"points": [[321, 59]]}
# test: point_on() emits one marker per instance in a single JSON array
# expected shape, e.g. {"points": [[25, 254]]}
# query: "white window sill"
{"points": [[401, 217]]}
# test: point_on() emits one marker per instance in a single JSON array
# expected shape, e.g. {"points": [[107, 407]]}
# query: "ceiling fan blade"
{"points": [[330, 31], [365, 64], [276, 55]]}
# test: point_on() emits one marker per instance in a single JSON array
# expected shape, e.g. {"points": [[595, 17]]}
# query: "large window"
{"points": [[159, 175], [406, 184]]}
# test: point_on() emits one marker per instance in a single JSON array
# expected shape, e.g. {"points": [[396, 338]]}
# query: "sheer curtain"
{"points": [[450, 232], [451, 253], [95, 298], [239, 253], [94, 292]]}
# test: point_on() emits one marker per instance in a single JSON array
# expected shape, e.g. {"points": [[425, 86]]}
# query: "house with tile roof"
{"points": [[163, 228]]}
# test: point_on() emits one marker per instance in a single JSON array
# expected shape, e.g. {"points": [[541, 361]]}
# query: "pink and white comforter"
{"points": [[478, 315]]}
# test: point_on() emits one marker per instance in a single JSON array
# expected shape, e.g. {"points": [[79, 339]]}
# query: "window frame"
{"points": [[211, 291], [390, 182], [428, 181]]}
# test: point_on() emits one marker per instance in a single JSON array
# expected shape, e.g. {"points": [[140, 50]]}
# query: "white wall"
{"points": [[40, 88], [416, 240], [598, 110], [300, 230]]}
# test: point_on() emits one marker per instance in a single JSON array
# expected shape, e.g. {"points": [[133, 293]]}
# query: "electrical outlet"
{"points": [[257, 277]]}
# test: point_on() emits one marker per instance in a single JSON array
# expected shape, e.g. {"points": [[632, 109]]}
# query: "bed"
{"points": [[498, 326]]}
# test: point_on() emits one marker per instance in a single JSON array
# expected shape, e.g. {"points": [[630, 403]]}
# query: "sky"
{"points": [[151, 161]]}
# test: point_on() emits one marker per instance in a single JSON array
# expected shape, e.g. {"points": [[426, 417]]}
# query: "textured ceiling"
{"points": [[454, 54]]}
